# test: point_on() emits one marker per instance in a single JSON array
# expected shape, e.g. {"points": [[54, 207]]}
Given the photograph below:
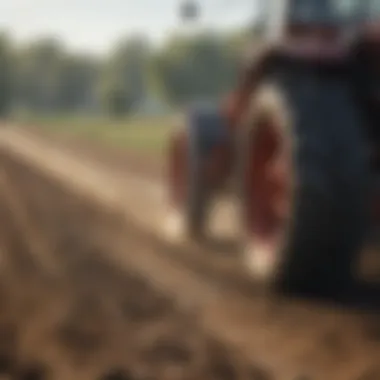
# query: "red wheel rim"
{"points": [[268, 186]]}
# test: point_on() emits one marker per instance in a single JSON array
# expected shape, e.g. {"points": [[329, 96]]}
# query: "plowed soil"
{"points": [[85, 296], [67, 311]]}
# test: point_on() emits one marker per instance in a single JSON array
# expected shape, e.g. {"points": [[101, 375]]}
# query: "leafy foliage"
{"points": [[44, 77]]}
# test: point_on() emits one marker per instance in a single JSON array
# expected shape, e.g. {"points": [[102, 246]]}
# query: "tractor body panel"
{"points": [[209, 143], [207, 128]]}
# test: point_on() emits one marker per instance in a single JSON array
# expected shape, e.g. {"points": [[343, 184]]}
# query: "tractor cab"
{"points": [[342, 36], [304, 18], [318, 28], [318, 33]]}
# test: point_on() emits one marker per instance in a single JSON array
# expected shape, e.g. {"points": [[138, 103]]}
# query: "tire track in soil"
{"points": [[89, 318], [315, 339]]}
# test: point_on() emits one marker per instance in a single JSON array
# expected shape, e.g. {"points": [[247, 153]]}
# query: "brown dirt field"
{"points": [[75, 283], [65, 309]]}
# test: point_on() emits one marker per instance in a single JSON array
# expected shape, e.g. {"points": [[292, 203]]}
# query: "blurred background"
{"points": [[115, 70], [118, 57]]}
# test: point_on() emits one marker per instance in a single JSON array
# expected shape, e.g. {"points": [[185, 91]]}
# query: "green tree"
{"points": [[39, 65], [76, 83], [195, 67], [124, 79]]}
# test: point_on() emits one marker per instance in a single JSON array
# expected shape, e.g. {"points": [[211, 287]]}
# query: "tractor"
{"points": [[299, 137]]}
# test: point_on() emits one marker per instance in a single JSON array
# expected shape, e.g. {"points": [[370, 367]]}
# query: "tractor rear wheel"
{"points": [[303, 175]]}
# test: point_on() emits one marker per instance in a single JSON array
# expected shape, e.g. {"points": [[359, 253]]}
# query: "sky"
{"points": [[93, 25]]}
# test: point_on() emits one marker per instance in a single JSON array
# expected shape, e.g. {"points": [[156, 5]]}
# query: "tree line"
{"points": [[44, 77]]}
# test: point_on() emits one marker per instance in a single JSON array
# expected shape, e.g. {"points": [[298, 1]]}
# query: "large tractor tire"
{"points": [[189, 185], [304, 178]]}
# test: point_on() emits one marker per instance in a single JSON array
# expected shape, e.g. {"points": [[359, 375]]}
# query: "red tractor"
{"points": [[300, 137]]}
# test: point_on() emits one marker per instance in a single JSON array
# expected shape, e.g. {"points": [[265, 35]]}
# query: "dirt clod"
{"points": [[7, 363], [34, 372], [117, 374]]}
